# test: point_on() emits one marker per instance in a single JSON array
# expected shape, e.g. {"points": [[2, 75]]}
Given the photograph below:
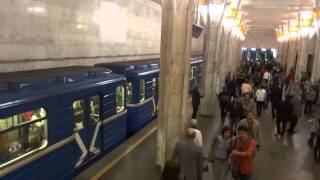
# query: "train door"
{"points": [[87, 126]]}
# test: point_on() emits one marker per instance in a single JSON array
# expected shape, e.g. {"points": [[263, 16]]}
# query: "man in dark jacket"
{"points": [[275, 96], [284, 114], [225, 99], [235, 110], [195, 101], [189, 156]]}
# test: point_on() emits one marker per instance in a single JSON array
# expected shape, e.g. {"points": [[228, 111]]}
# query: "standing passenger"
{"points": [[243, 150], [189, 156], [219, 154]]}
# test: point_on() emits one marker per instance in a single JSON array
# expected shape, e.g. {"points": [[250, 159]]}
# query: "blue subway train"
{"points": [[142, 90], [54, 122]]}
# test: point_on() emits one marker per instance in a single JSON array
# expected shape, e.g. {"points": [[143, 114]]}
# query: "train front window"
{"points": [[120, 95], [22, 134], [78, 114], [142, 90], [154, 86], [129, 92], [191, 73], [95, 108]]}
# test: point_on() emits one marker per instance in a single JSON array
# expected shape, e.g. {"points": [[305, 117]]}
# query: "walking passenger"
{"points": [[195, 102], [261, 96], [198, 135], [296, 113], [253, 127], [310, 95], [189, 156], [242, 154], [170, 171], [235, 110], [247, 104], [275, 96], [246, 88], [224, 98], [284, 115], [314, 128], [219, 154]]}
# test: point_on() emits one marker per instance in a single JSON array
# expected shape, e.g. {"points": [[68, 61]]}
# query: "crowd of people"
{"points": [[246, 96]]}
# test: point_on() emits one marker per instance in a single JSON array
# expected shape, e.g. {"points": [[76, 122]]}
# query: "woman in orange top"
{"points": [[243, 150]]}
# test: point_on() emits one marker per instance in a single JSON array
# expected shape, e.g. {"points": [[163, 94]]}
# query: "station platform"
{"points": [[287, 158]]}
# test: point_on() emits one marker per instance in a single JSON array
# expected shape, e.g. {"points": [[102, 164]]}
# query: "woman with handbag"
{"points": [[219, 154]]}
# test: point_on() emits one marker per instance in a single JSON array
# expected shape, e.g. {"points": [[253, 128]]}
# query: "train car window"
{"points": [[95, 108], [142, 90], [22, 134], [129, 93], [120, 99], [78, 113]]}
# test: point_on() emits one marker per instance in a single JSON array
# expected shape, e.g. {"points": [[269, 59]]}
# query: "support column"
{"points": [[176, 36], [292, 52], [303, 56], [224, 59], [210, 46], [315, 70], [217, 61]]}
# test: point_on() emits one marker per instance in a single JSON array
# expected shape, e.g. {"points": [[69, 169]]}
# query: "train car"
{"points": [[55, 121], [142, 90]]}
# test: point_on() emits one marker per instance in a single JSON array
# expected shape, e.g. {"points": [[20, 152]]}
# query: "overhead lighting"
{"points": [[217, 1], [306, 18], [203, 2], [253, 49], [36, 9]]}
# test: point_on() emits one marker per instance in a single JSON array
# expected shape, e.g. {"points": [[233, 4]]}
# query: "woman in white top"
{"points": [[261, 95], [198, 135]]}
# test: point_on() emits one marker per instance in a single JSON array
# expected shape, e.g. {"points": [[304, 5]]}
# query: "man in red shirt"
{"points": [[243, 150]]}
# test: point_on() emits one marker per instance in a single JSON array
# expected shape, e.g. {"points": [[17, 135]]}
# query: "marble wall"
{"points": [[51, 33]]}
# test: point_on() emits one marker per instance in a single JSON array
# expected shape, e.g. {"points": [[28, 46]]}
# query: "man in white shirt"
{"points": [[198, 135], [261, 96]]}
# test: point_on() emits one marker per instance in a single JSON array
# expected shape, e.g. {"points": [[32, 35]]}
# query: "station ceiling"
{"points": [[266, 15]]}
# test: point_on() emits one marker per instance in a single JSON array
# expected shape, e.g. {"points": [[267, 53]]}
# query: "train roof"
{"points": [[44, 83], [134, 68]]}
